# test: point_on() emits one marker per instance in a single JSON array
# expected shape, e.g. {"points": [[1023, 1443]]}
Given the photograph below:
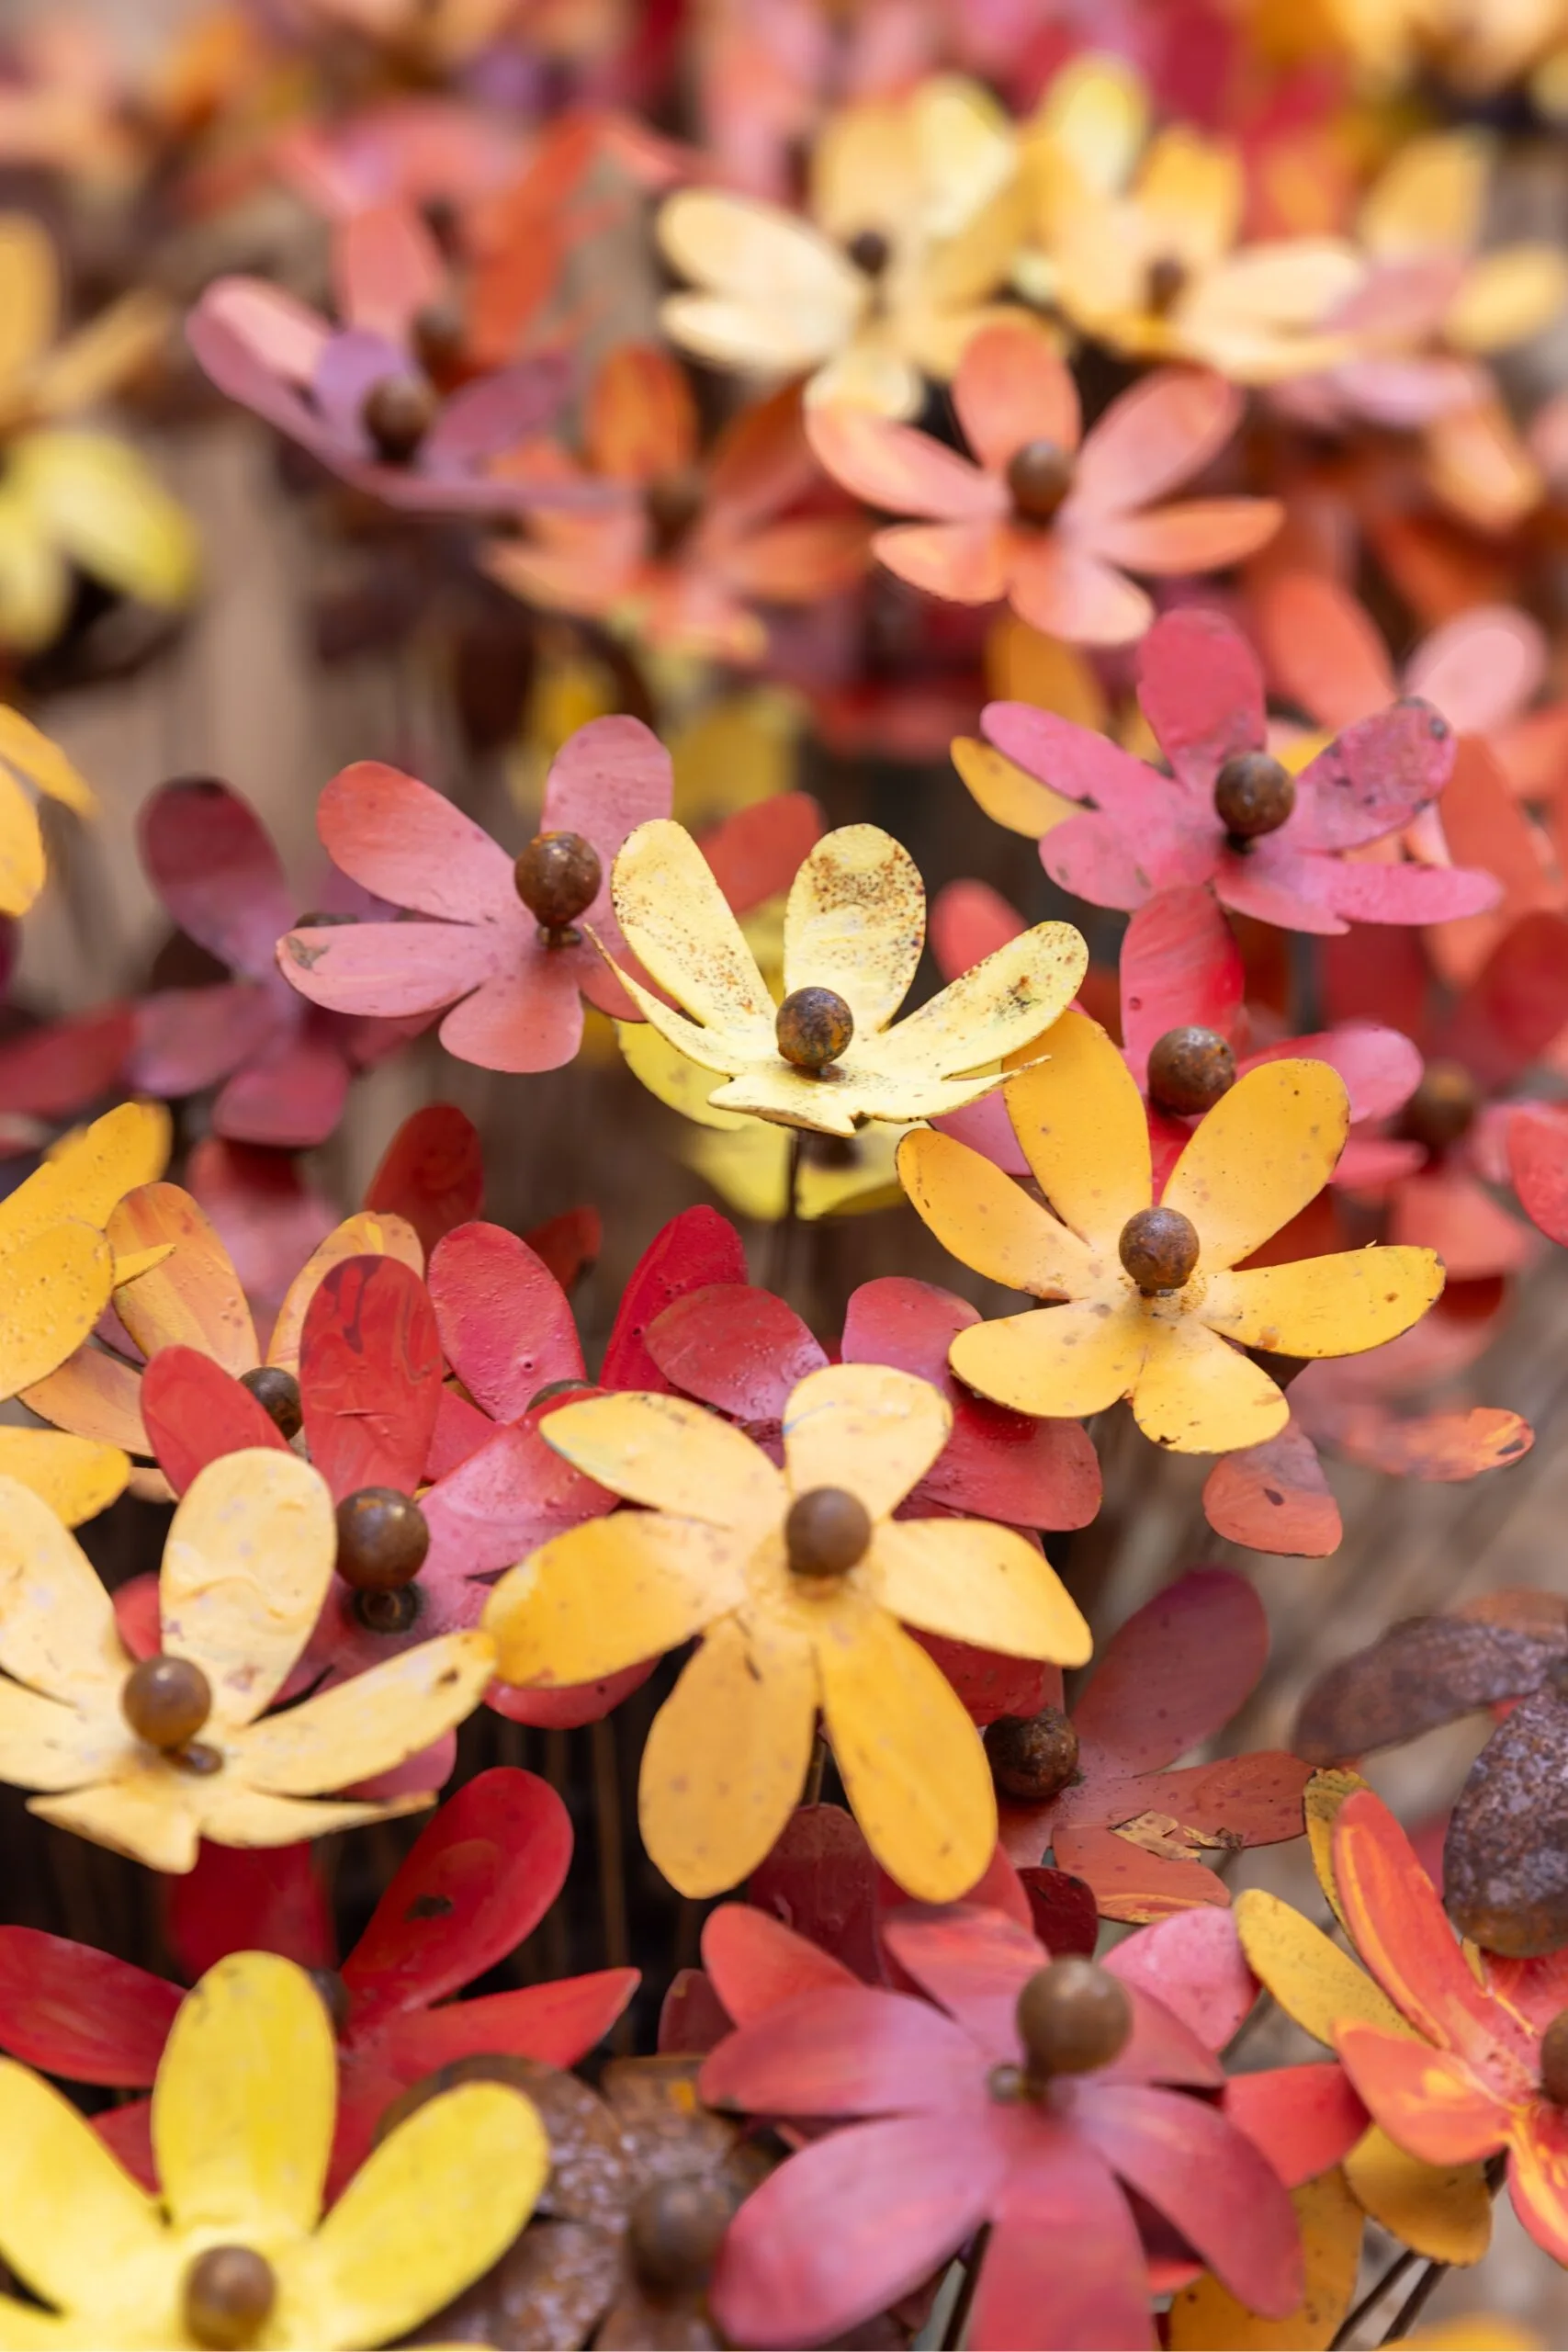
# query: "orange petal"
{"points": [[640, 420], [1013, 387], [193, 1299], [900, 471], [95, 1395], [1427, 2103], [1204, 535], [966, 562]]}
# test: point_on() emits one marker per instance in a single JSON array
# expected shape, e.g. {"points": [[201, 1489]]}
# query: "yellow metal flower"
{"points": [[796, 1581], [1156, 1312], [915, 222], [826, 1059], [236, 2249], [147, 1756], [73, 498]]}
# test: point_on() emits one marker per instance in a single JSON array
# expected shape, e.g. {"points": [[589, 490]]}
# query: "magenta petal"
{"points": [[506, 1325], [411, 847], [492, 415], [54, 1071], [1079, 763], [985, 1128], [1380, 1067], [975, 1963], [754, 1962], [850, 2225], [607, 778], [211, 861], [1273, 883], [1064, 2264], [848, 2051], [70, 2009], [1193, 1961], [1176, 1670], [389, 969], [349, 370], [186, 1039], [695, 1249], [739, 1350], [522, 1020], [419, 1775], [1373, 779], [290, 1102], [1375, 893], [1180, 967], [502, 1503], [1201, 691], [1116, 863]]}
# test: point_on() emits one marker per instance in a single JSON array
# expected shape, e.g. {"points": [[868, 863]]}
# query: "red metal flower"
{"points": [[1538, 1162], [1229, 815]]}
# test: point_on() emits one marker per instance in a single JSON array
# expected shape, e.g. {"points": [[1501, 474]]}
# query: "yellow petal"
{"points": [[867, 372], [1429, 199], [1476, 2332], [732, 753], [885, 1081], [864, 1426], [75, 1478], [99, 357], [29, 295], [53, 1290], [1096, 112], [606, 1595], [1085, 1133], [246, 1567], [1001, 1007], [1061, 1363], [748, 1166], [229, 1815], [727, 1047], [141, 1815], [23, 870], [243, 2106], [192, 1297], [75, 2226], [676, 923], [25, 748], [778, 295], [1189, 190], [684, 1085], [47, 1744], [427, 2213], [671, 1454], [1337, 1305], [987, 1221], [88, 1171], [1206, 2317], [370, 1724], [913, 1765], [102, 504], [976, 1583], [1445, 2215], [1022, 664], [856, 922], [966, 151], [1326, 1793], [1478, 464], [729, 331], [865, 169], [1264, 1151], [57, 1622], [1508, 297], [1195, 1394], [726, 1755], [35, 579], [1008, 794], [368, 1234], [1269, 293], [1312, 1979]]}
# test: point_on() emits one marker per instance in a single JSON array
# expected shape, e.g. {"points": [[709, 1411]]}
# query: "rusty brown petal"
{"points": [[1421, 1673], [1505, 1858], [665, 2128]]}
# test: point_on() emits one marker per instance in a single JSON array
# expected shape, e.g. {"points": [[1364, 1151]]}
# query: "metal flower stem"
{"points": [[781, 1239]]}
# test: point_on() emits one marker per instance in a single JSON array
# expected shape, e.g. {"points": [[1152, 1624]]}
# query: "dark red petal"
{"points": [[1274, 1498], [739, 1350], [54, 1071], [692, 2019], [238, 1899], [431, 1173], [989, 1684], [822, 1882], [504, 1321], [1175, 1671], [370, 1372], [189, 1038], [755, 1961], [1062, 1910], [290, 1098], [1201, 691], [1303, 2118], [194, 1411], [849, 2051], [68, 2009], [1517, 1005], [211, 861], [694, 1249], [556, 2022]]}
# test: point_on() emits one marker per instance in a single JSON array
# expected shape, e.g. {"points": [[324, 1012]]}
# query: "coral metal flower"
{"points": [[1157, 1312], [147, 1756], [1029, 2094], [233, 2248], [796, 1581], [1048, 517], [827, 1057], [1229, 814]]}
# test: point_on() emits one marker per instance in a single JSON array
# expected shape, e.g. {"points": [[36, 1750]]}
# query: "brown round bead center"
{"points": [[228, 2295], [439, 332], [382, 1538], [1554, 2059], [1164, 284], [557, 878], [397, 414], [673, 2233], [814, 1028], [870, 251], [277, 1393], [1159, 1250], [1254, 793], [1033, 1757], [673, 503], [826, 1532], [1442, 1110], [1039, 477], [166, 1700], [1073, 2016], [1189, 1070]]}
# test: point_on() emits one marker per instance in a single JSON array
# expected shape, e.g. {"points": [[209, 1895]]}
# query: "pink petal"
{"points": [[607, 778], [1445, 1209], [1063, 587], [1302, 2118], [1192, 1964], [1161, 433], [349, 370], [1376, 893], [211, 860], [567, 1706], [1479, 670], [412, 848], [901, 471], [506, 1328], [266, 1216], [1013, 387], [1201, 535], [1116, 863], [390, 968], [386, 267], [975, 1961], [968, 922], [501, 1503], [969, 563], [754, 1962], [1373, 779], [848, 2051], [1321, 650], [1203, 692], [1080, 764], [57, 1070], [1380, 1068], [186, 1039], [529, 1020], [1275, 883], [496, 414], [1063, 2264], [431, 1174], [1538, 1160], [1179, 965], [290, 1101], [985, 1128]]}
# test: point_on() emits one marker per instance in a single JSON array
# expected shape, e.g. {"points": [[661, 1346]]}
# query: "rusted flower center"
{"points": [[1254, 795], [1442, 1110], [826, 1532], [166, 1700], [1554, 2059], [1164, 284], [1159, 1250], [1072, 2017], [673, 2233], [1189, 1070], [1033, 1757], [673, 502], [230, 2292], [870, 251], [557, 878], [439, 332], [382, 1538], [1039, 477], [277, 1393], [814, 1027], [397, 414]]}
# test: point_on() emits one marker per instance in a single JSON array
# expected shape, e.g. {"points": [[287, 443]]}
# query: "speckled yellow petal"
{"points": [[727, 1757], [1195, 1394], [88, 1171], [726, 1050], [45, 1744], [985, 1220], [75, 1478], [1060, 1362], [371, 1233], [684, 1085], [368, 1725], [1189, 190], [25, 750], [1206, 2317], [1006, 793], [246, 1567], [23, 870], [1313, 1980], [674, 919], [29, 295], [243, 2105], [138, 1817], [1325, 1793], [605, 1596], [53, 1290], [1507, 297], [1445, 2214], [978, 1583], [426, 2214], [864, 1426], [75, 2226], [671, 1454], [860, 1087], [57, 1622], [1337, 1305], [190, 1298], [1002, 1007], [1264, 1151], [1080, 1120], [913, 1765], [1429, 199], [102, 504], [856, 922]]}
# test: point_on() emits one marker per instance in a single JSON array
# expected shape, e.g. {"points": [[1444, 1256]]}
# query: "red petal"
{"points": [[969, 563], [568, 1705], [1175, 1672], [370, 1372], [1179, 965], [482, 1874], [194, 1411], [1063, 2264], [212, 863], [1518, 1004], [1398, 1927], [989, 1684], [1201, 691], [400, 840], [694, 1249], [55, 1071], [1161, 433], [290, 1101], [72, 2010], [386, 267], [1537, 2177], [266, 1216], [431, 1173], [503, 1500], [567, 1246], [639, 419], [739, 1350], [1130, 1883], [1303, 2118], [386, 969], [1425, 2100], [1199, 535], [969, 921], [1322, 651], [138, 1615], [754, 1962], [1274, 1498], [1377, 893], [846, 2051], [974, 1962], [506, 1325], [127, 2133], [1538, 1161], [756, 853], [237, 1899], [1444, 1209], [529, 1020], [1193, 1963], [821, 1880], [1013, 387], [1062, 1911]]}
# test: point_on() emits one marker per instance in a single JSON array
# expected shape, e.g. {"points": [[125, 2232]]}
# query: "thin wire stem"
{"points": [[1384, 2286], [1415, 2302], [612, 1861], [958, 2318]]}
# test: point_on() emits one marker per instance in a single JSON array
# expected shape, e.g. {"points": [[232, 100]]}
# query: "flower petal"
{"points": [[137, 1815], [246, 1567], [1161, 433], [976, 1583], [386, 969], [193, 1299], [1207, 2317], [866, 1427], [76, 1477], [896, 469], [72, 2010], [1397, 1925], [229, 2152], [670, 1455], [506, 1328], [62, 2193], [1312, 1979], [1537, 2177], [196, 1412], [57, 1622], [88, 1171], [1013, 386], [408, 845], [759, 255], [45, 1744], [639, 421], [1374, 778], [1064, 2263], [431, 1174], [1061, 585], [1202, 692], [674, 919], [1059, 1362], [1195, 1394], [1079, 1118], [726, 1755], [1179, 964], [855, 923], [1258, 1157], [1274, 1498], [370, 1376], [968, 562], [212, 862], [360, 1236], [987, 1221], [1444, 2212], [1325, 653], [997, 1008], [1175, 1671], [1339, 1305], [1428, 2103], [365, 1726], [1199, 535], [607, 1595]]}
